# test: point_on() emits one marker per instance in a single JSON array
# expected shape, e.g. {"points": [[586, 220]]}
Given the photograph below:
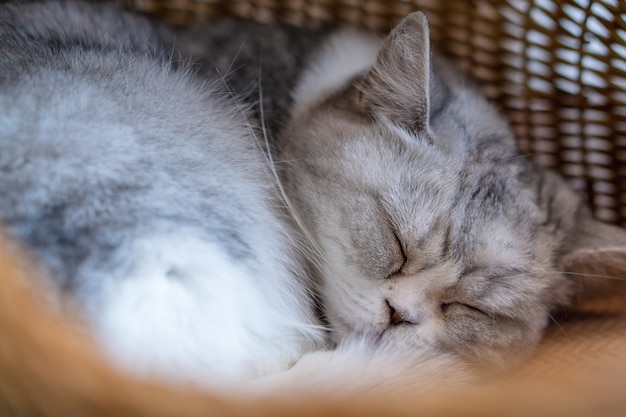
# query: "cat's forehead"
{"points": [[423, 187], [485, 206], [463, 130], [450, 160]]}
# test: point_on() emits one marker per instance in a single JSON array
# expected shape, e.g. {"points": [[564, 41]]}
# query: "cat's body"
{"points": [[145, 193], [426, 230]]}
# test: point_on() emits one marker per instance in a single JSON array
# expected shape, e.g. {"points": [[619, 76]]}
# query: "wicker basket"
{"points": [[557, 68]]}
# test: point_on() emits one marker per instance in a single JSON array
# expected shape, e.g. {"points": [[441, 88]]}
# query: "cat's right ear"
{"points": [[397, 86]]}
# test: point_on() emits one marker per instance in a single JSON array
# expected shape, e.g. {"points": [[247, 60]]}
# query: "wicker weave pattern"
{"points": [[557, 67]]}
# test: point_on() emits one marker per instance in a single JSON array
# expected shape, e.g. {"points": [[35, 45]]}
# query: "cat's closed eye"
{"points": [[456, 305], [399, 258]]}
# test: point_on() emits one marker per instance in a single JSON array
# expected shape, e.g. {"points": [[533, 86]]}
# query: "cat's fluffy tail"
{"points": [[365, 365]]}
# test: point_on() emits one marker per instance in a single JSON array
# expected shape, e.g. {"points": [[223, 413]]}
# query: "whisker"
{"points": [[558, 301], [308, 248], [312, 249], [521, 156], [230, 70], [549, 314], [613, 277], [171, 54], [579, 274]]}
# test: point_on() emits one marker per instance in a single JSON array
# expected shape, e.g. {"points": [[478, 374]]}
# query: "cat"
{"points": [[144, 192], [434, 228], [429, 225], [425, 231]]}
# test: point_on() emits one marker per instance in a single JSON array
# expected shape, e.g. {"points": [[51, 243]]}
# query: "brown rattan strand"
{"points": [[557, 68]]}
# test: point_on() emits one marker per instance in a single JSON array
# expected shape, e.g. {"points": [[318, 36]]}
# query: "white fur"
{"points": [[345, 54], [189, 312]]}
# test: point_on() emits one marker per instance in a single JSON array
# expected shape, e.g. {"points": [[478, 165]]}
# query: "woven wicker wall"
{"points": [[557, 67]]}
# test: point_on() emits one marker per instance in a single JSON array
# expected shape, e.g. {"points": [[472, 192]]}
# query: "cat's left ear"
{"points": [[596, 256], [397, 86]]}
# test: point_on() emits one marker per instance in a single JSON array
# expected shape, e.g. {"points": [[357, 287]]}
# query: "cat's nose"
{"points": [[397, 316]]}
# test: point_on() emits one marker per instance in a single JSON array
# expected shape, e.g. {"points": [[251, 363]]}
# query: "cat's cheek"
{"points": [[459, 328], [416, 335]]}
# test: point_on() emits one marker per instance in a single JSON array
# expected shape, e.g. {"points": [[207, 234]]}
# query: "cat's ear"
{"points": [[397, 86], [596, 256]]}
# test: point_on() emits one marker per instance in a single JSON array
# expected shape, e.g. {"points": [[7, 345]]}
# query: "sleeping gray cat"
{"points": [[138, 181]]}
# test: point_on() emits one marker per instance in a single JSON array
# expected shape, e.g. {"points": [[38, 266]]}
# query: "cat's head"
{"points": [[430, 224]]}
